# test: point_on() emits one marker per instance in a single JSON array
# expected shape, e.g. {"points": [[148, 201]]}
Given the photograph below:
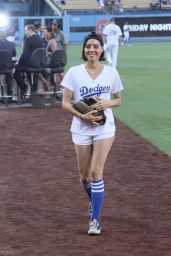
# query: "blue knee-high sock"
{"points": [[87, 187], [97, 195]]}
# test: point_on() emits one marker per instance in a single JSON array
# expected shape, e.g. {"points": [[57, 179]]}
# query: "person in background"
{"points": [[9, 46], [51, 41], [44, 39], [112, 36], [31, 42], [92, 141], [51, 46], [11, 33], [62, 44], [101, 3], [38, 28], [59, 35], [126, 31]]}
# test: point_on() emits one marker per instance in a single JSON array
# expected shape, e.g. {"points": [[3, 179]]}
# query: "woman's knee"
{"points": [[84, 173], [96, 173]]}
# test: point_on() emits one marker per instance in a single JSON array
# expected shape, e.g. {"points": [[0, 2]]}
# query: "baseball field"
{"points": [[43, 210]]}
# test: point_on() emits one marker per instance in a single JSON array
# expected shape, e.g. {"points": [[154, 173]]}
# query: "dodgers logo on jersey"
{"points": [[92, 91]]}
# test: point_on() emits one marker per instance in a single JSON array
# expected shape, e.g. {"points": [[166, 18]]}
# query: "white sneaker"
{"points": [[94, 228]]}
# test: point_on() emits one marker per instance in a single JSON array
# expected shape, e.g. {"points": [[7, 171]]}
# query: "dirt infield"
{"points": [[44, 212]]}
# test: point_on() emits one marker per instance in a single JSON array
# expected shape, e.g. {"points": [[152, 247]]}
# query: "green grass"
{"points": [[145, 71]]}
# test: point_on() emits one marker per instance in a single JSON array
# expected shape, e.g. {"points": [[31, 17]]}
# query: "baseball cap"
{"points": [[112, 19], [55, 22]]}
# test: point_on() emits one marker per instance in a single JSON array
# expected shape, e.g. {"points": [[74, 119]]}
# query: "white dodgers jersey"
{"points": [[112, 31]]}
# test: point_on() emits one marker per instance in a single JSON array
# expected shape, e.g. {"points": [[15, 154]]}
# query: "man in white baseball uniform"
{"points": [[126, 31], [112, 34]]}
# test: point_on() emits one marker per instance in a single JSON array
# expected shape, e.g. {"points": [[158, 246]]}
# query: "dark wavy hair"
{"points": [[96, 36], [50, 30]]}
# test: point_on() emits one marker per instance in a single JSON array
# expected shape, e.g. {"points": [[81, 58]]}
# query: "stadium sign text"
{"points": [[150, 27]]}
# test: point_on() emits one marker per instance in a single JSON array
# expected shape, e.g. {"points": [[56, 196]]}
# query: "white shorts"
{"points": [[88, 140]]}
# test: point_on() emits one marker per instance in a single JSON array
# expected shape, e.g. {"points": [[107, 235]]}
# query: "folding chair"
{"points": [[37, 65], [57, 64]]}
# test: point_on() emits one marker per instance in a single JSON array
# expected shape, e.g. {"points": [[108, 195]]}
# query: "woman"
{"points": [[51, 41], [92, 141], [50, 48]]}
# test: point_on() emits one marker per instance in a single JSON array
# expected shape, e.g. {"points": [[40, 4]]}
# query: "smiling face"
{"points": [[93, 50], [46, 33]]}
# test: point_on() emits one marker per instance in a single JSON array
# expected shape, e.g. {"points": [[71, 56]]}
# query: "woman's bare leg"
{"points": [[101, 149]]}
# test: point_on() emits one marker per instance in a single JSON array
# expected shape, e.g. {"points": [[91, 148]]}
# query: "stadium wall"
{"points": [[143, 27]]}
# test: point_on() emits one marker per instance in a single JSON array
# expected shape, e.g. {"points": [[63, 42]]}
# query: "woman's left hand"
{"points": [[101, 104]]}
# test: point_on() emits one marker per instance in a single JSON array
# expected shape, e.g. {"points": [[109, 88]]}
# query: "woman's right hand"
{"points": [[89, 117]]}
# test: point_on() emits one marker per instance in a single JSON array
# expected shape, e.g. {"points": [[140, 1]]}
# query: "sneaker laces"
{"points": [[94, 224]]}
